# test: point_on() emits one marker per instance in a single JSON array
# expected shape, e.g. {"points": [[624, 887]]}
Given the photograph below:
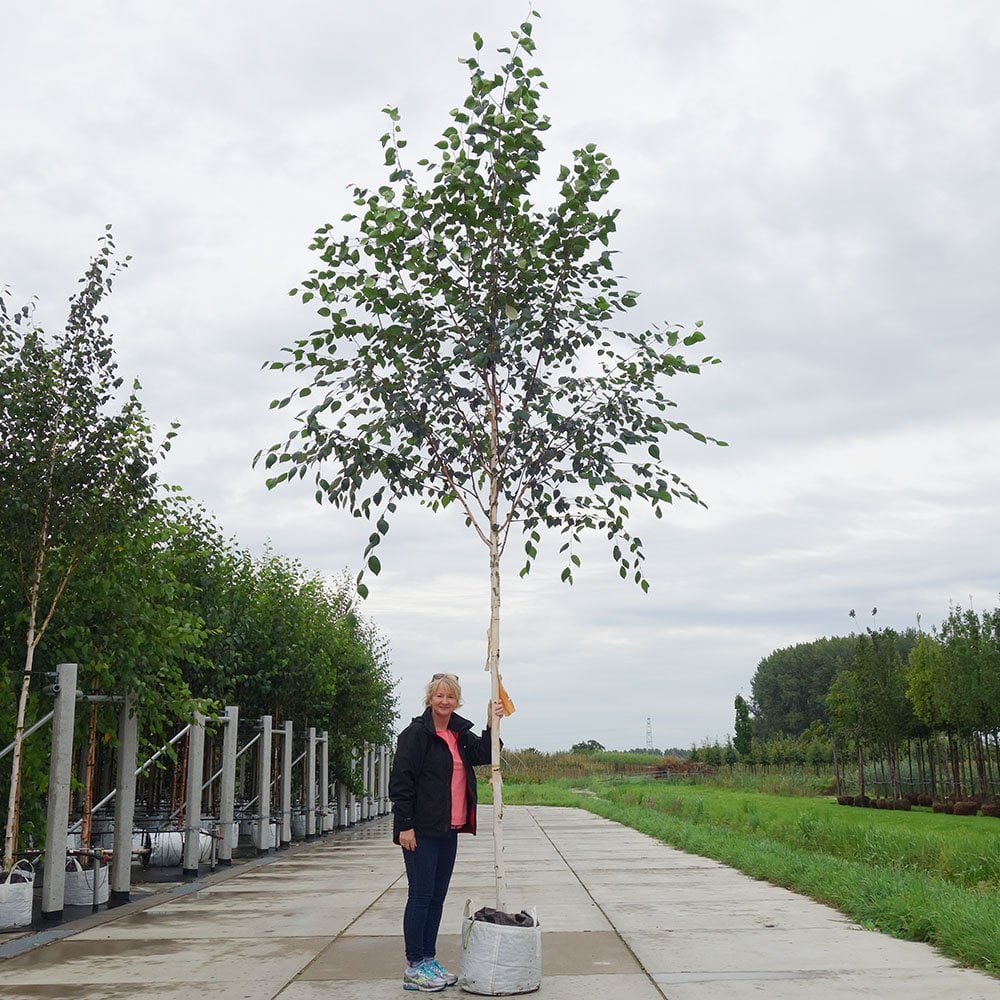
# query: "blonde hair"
{"points": [[450, 681]]}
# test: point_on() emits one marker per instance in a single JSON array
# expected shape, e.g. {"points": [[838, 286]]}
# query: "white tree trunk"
{"points": [[33, 636], [31, 639], [493, 661], [14, 795], [496, 778]]}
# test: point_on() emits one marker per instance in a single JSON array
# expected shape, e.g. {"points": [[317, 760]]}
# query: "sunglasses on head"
{"points": [[438, 677]]}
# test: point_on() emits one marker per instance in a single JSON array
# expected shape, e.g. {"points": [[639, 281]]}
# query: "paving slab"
{"points": [[832, 985], [622, 916], [194, 961], [675, 913]]}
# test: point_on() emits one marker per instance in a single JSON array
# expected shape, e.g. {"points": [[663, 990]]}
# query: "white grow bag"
{"points": [[499, 959], [79, 889], [167, 848], [16, 889], [270, 834]]}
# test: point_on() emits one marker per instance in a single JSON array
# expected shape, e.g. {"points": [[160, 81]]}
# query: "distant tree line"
{"points": [[593, 746]]}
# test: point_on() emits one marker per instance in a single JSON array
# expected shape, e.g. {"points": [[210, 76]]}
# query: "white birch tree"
{"points": [[469, 356], [76, 462]]}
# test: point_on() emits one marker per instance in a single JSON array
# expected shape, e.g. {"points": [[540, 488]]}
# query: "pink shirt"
{"points": [[458, 786]]}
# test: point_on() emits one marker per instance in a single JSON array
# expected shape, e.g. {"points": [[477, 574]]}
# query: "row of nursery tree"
{"points": [[104, 566], [812, 748], [914, 709]]}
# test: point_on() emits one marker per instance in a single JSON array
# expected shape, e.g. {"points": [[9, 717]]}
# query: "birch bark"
{"points": [[493, 662]]}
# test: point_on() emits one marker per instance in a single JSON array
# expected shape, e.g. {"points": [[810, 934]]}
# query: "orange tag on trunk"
{"points": [[508, 705]]}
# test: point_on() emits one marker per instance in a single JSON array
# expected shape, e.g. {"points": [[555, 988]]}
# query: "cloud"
{"points": [[817, 184]]}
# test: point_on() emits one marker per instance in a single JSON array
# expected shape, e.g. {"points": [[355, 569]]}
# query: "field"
{"points": [[916, 875]]}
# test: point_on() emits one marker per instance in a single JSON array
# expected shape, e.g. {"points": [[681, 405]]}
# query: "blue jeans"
{"points": [[428, 872]]}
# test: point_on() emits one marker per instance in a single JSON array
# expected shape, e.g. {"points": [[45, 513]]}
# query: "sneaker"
{"points": [[423, 979], [440, 971]]}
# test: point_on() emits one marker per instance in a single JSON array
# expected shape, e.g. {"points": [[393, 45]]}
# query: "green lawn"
{"points": [[917, 875]]}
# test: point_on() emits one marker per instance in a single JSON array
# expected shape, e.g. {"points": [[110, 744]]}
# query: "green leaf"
{"points": [[374, 565]]}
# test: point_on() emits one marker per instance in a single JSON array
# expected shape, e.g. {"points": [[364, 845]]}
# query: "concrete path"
{"points": [[622, 915]]}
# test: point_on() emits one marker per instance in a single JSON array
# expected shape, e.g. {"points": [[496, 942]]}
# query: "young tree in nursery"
{"points": [[363, 702], [77, 462], [743, 728], [127, 620], [299, 649], [470, 353], [964, 682], [868, 701], [845, 720], [215, 576]]}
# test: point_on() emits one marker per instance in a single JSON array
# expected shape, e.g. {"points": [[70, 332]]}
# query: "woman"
{"points": [[433, 792]]}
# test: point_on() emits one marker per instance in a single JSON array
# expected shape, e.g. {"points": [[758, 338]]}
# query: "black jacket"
{"points": [[420, 781]]}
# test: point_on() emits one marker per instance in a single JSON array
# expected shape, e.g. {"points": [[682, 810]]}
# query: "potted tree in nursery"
{"points": [[77, 462], [468, 353]]}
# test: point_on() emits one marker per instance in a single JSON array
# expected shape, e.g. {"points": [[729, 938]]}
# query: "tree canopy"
{"points": [[742, 727], [790, 685], [470, 351]]}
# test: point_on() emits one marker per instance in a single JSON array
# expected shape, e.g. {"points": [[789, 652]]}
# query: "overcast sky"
{"points": [[816, 181]]}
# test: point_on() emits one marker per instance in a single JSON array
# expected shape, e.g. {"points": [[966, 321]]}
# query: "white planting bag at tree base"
{"points": [[79, 889], [16, 892], [167, 848], [499, 959]]}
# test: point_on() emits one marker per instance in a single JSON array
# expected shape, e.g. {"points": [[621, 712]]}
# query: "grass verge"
{"points": [[917, 875]]}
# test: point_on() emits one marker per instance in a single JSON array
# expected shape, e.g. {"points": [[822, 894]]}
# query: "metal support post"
{"points": [[262, 839], [192, 808], [324, 782], [286, 787], [121, 858], [311, 784], [227, 786], [60, 766]]}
